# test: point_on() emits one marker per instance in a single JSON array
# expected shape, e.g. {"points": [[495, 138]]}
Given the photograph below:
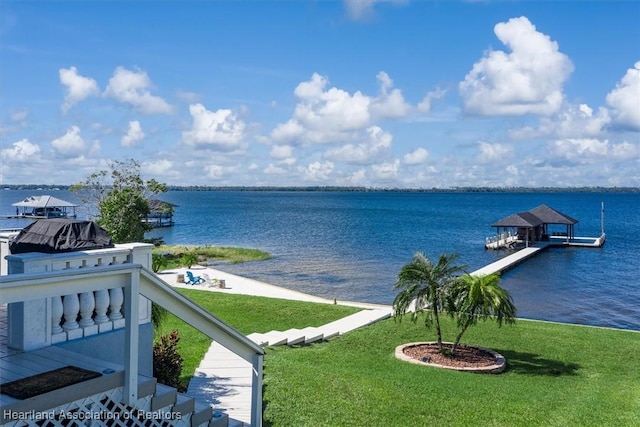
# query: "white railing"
{"points": [[36, 323], [137, 283]]}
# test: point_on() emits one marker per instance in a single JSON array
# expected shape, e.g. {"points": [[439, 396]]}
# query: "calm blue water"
{"points": [[352, 245]]}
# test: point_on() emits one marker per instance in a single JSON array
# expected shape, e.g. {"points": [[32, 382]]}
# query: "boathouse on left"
{"points": [[42, 207]]}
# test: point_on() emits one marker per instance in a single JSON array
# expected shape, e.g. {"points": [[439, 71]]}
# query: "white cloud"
{"points": [[580, 151], [284, 153], [20, 151], [70, 144], [387, 171], [77, 87], [625, 99], [526, 81], [318, 171], [357, 177], [19, 116], [425, 105], [359, 9], [416, 157], [377, 143], [334, 108], [274, 170], [221, 129], [493, 152], [281, 151], [328, 115], [163, 169], [289, 131], [625, 151], [390, 103], [324, 116], [215, 171], [132, 88], [188, 97], [134, 134], [573, 121]]}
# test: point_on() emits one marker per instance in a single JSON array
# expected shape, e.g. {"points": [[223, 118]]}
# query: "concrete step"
{"points": [[312, 334], [219, 419], [257, 338], [236, 423], [288, 337], [164, 396], [202, 414], [354, 321], [325, 332]]}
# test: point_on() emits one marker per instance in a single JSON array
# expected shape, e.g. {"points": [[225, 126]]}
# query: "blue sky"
{"points": [[369, 93]]}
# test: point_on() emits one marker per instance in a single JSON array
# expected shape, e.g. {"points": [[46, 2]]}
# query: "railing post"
{"points": [[131, 302], [256, 391]]}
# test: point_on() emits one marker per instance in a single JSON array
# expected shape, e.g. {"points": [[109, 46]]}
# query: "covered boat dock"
{"points": [[535, 225], [44, 207]]}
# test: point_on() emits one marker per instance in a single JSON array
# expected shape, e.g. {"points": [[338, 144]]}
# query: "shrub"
{"points": [[167, 362], [158, 261], [189, 258]]}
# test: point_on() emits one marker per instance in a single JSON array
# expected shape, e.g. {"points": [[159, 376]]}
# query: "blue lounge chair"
{"points": [[193, 280]]}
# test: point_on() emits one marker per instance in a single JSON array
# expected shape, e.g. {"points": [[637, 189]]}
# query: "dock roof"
{"points": [[521, 219], [551, 216], [44, 202], [542, 214]]}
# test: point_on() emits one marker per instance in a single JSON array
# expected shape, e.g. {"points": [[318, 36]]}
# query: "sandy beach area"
{"points": [[235, 284]]}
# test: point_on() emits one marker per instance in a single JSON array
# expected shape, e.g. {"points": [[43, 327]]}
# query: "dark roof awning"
{"points": [[522, 219], [551, 216]]}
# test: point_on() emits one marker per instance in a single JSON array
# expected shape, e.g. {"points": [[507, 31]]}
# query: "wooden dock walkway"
{"points": [[512, 260], [516, 258]]}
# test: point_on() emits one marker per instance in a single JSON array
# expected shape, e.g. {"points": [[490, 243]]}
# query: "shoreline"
{"points": [[240, 285]]}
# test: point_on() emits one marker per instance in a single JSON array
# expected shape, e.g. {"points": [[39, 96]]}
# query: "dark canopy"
{"points": [[60, 235], [551, 216], [522, 219]]}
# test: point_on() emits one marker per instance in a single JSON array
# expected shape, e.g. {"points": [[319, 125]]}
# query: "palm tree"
{"points": [[423, 285], [472, 298]]}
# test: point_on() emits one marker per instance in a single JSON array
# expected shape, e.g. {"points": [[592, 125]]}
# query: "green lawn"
{"points": [[557, 375], [247, 314]]}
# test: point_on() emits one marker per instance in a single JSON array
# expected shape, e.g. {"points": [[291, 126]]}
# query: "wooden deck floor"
{"points": [[26, 364]]}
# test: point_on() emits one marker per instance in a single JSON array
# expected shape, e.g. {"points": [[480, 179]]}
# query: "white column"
{"points": [[56, 315]]}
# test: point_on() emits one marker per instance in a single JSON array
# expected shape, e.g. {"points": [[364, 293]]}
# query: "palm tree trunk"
{"points": [[438, 331], [458, 338]]}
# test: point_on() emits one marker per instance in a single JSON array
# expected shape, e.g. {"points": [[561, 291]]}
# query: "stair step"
{"points": [[257, 338], [325, 332], [184, 404], [202, 414], [219, 419], [163, 397], [312, 334], [354, 321], [288, 337], [236, 423]]}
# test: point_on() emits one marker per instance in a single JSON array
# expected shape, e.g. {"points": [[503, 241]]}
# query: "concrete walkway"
{"points": [[223, 379]]}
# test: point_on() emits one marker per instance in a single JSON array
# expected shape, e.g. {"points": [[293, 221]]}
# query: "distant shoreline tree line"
{"points": [[596, 189]]}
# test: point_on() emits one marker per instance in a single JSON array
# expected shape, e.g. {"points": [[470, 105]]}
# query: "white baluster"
{"points": [[70, 309], [115, 304], [102, 305], [87, 305], [56, 314]]}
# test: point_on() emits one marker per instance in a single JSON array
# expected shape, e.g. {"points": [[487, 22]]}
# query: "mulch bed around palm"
{"points": [[465, 357]]}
